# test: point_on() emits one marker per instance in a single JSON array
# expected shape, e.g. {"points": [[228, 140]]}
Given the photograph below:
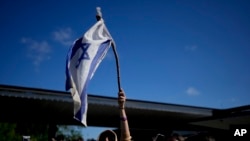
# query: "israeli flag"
{"points": [[83, 59]]}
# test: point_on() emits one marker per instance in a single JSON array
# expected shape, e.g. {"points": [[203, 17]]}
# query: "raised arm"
{"points": [[125, 133]]}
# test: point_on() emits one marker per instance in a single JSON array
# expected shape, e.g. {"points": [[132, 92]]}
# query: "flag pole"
{"points": [[98, 17]]}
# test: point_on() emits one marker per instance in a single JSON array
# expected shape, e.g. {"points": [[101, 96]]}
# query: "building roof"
{"points": [[23, 104]]}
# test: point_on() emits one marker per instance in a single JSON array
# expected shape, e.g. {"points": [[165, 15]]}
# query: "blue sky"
{"points": [[183, 52]]}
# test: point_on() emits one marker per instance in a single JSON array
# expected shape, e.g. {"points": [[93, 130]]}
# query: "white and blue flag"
{"points": [[83, 59]]}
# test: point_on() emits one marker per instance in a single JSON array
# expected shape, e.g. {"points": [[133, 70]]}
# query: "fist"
{"points": [[121, 99]]}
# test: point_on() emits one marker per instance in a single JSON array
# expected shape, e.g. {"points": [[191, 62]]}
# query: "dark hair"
{"points": [[111, 135], [60, 137], [80, 139], [201, 137]]}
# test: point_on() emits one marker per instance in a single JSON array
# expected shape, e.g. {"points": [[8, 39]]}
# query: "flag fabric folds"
{"points": [[83, 59]]}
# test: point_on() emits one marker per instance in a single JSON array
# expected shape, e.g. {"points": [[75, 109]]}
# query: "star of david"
{"points": [[84, 54]]}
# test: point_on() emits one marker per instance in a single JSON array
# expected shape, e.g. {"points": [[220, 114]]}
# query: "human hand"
{"points": [[121, 99]]}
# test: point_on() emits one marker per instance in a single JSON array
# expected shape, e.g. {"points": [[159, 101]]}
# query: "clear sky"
{"points": [[189, 52]]}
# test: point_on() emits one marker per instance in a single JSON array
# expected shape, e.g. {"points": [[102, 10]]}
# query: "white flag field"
{"points": [[83, 59]]}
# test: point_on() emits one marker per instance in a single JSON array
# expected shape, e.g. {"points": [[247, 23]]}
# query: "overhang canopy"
{"points": [[22, 104]]}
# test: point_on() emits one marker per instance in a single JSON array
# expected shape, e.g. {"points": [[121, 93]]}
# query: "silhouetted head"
{"points": [[107, 135], [201, 137]]}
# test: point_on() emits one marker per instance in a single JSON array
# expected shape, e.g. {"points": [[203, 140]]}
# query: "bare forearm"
{"points": [[125, 133]]}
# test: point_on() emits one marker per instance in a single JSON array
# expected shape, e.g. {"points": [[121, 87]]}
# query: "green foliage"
{"points": [[14, 131], [7, 132], [37, 132], [69, 132]]}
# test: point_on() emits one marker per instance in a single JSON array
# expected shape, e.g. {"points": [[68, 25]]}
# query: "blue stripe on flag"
{"points": [[83, 58], [71, 53], [98, 57]]}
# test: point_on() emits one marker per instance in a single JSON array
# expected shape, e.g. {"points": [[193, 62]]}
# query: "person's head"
{"points": [[80, 139], [60, 137], [176, 137], [107, 135], [159, 137], [201, 137]]}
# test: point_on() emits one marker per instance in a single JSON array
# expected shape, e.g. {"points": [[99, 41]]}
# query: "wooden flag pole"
{"points": [[124, 127], [98, 17]]}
